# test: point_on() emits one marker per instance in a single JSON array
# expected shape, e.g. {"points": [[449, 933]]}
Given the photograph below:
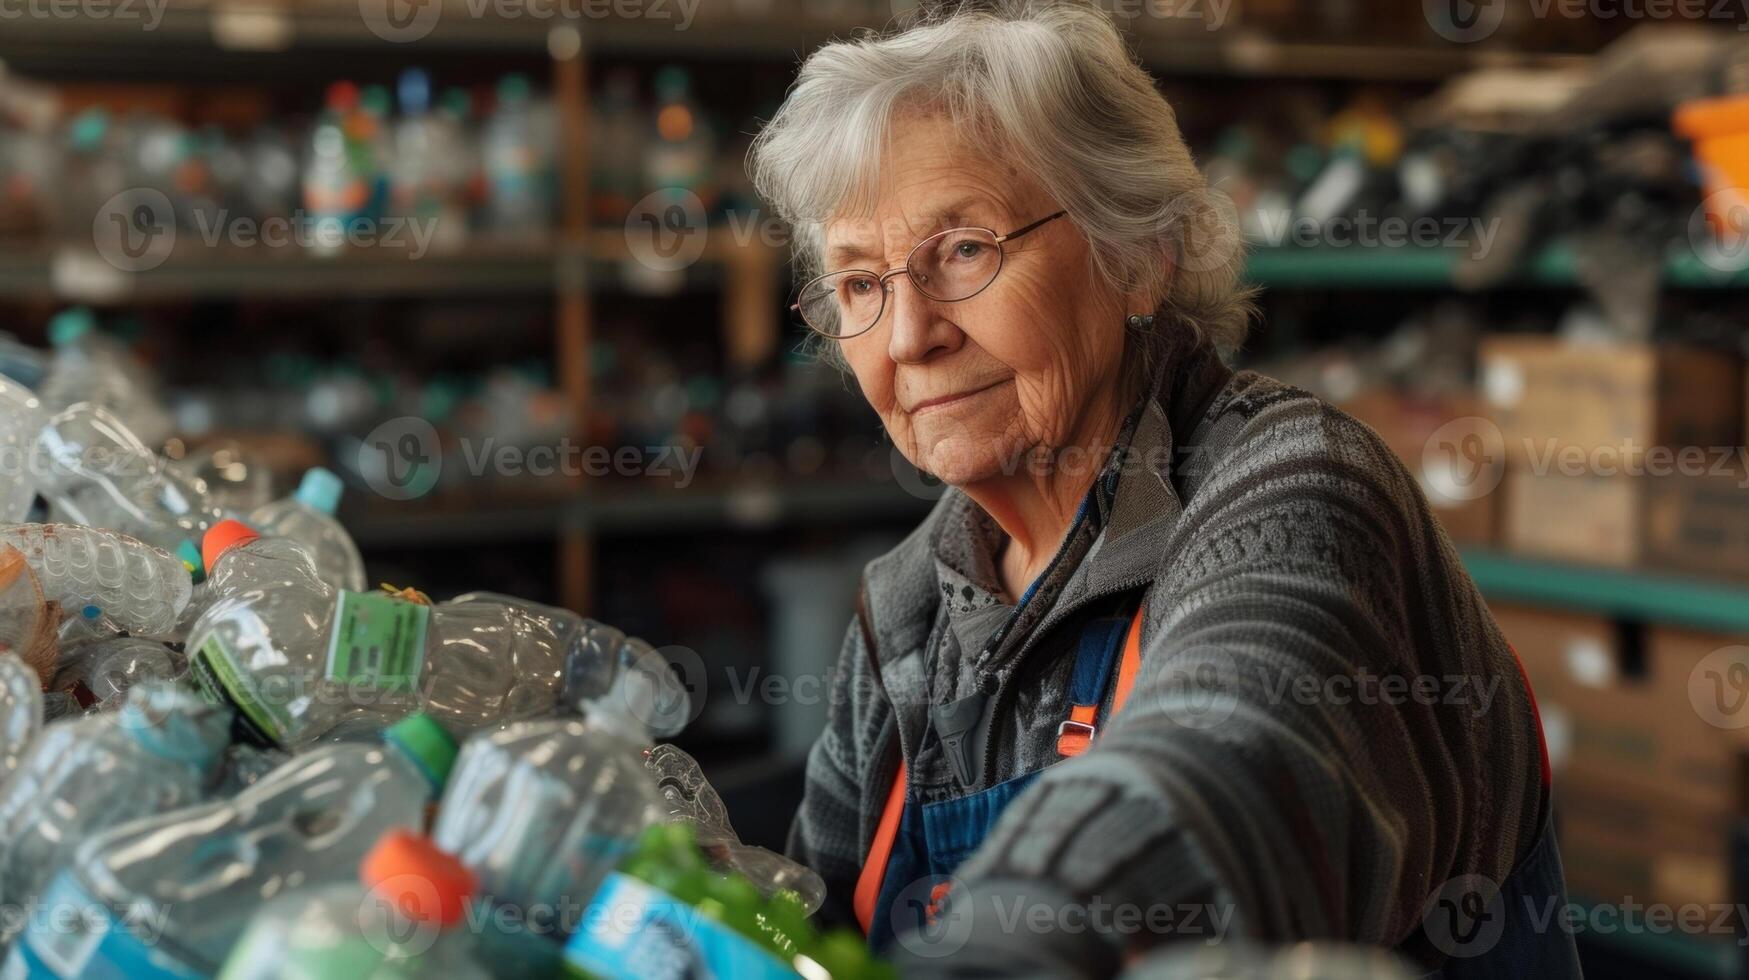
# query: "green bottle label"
{"points": [[214, 666], [377, 641]]}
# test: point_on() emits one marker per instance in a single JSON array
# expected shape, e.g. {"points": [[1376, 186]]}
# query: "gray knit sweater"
{"points": [[1327, 725]]}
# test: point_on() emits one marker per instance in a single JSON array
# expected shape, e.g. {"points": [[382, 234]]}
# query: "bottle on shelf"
{"points": [[339, 169], [429, 176], [618, 175], [519, 147]]}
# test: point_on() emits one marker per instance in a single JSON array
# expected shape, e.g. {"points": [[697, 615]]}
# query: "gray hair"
{"points": [[1053, 90]]}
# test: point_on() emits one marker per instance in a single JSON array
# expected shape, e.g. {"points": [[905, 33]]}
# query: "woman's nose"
{"points": [[918, 330]]}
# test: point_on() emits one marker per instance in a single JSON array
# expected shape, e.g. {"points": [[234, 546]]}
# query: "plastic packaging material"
{"points": [[725, 927], [90, 366], [403, 918], [244, 766], [104, 576], [307, 517], [692, 800], [95, 470], [199, 874], [541, 811], [603, 669], [28, 622], [21, 712], [300, 658], [100, 673], [21, 417], [87, 775], [519, 153]]}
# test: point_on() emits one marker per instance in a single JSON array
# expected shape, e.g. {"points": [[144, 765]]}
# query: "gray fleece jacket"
{"points": [[1327, 726]]}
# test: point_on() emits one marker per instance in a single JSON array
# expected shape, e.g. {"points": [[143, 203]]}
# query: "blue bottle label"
{"points": [[635, 931]]}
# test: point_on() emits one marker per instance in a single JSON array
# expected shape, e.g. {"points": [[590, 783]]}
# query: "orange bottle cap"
{"points": [[222, 537], [425, 884]]}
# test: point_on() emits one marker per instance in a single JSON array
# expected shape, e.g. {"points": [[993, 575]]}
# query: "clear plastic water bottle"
{"points": [[104, 577], [21, 711], [100, 673], [198, 875], [307, 517], [300, 658], [86, 775], [339, 168], [541, 811], [519, 160], [21, 416], [91, 366], [429, 169], [96, 471], [403, 918]]}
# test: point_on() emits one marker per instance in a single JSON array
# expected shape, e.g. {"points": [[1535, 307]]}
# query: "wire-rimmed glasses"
{"points": [[948, 267]]}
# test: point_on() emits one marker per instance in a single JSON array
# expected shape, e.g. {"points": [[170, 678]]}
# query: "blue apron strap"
{"points": [[1095, 661]]}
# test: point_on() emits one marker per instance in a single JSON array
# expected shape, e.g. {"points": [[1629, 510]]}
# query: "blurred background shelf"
{"points": [[1655, 597], [1556, 266]]}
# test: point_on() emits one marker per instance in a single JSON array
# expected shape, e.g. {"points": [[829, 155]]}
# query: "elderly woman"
{"points": [[1181, 653]]}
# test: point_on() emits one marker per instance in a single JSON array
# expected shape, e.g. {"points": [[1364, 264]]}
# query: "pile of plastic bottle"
{"points": [[223, 755]]}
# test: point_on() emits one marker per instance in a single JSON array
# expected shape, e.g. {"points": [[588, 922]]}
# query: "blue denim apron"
{"points": [[934, 839]]}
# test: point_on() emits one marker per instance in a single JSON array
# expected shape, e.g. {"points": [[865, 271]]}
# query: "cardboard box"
{"points": [[1625, 719], [1616, 847], [1545, 393], [1593, 520], [1406, 424], [1699, 522]]}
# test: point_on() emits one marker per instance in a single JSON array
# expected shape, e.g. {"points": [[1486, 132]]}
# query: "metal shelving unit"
{"points": [[1556, 266]]}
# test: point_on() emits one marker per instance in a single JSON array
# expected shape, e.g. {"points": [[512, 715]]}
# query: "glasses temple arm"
{"points": [[1011, 236]]}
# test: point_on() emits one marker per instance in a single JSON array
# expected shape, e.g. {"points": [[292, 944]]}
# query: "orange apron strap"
{"points": [[1075, 735], [874, 870], [1132, 659]]}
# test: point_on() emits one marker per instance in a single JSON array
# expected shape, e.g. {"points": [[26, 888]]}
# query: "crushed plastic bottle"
{"points": [[404, 918], [100, 673], [299, 658], [95, 470], [28, 622], [21, 712], [541, 811], [693, 801], [599, 662], [84, 776], [104, 576], [307, 517], [91, 366], [21, 417], [200, 874]]}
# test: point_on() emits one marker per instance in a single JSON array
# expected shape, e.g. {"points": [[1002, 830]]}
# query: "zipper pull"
{"points": [[956, 724]]}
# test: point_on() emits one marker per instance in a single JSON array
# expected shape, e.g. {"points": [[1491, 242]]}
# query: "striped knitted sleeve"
{"points": [[1325, 727], [827, 826]]}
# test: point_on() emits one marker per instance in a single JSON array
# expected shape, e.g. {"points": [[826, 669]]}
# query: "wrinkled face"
{"points": [[965, 389]]}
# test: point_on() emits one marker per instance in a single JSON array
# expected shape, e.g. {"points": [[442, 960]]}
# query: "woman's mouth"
{"points": [[947, 401]]}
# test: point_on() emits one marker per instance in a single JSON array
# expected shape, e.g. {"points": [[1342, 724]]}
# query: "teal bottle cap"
{"points": [[189, 552], [321, 490], [71, 324], [425, 742]]}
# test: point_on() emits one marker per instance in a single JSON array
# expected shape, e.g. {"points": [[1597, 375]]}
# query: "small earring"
{"points": [[1142, 321]]}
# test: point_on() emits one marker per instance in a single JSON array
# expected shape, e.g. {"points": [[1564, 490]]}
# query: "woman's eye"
{"points": [[969, 250], [859, 287]]}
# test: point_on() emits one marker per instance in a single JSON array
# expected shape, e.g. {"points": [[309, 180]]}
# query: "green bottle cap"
{"points": [[189, 552], [71, 324], [425, 742]]}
